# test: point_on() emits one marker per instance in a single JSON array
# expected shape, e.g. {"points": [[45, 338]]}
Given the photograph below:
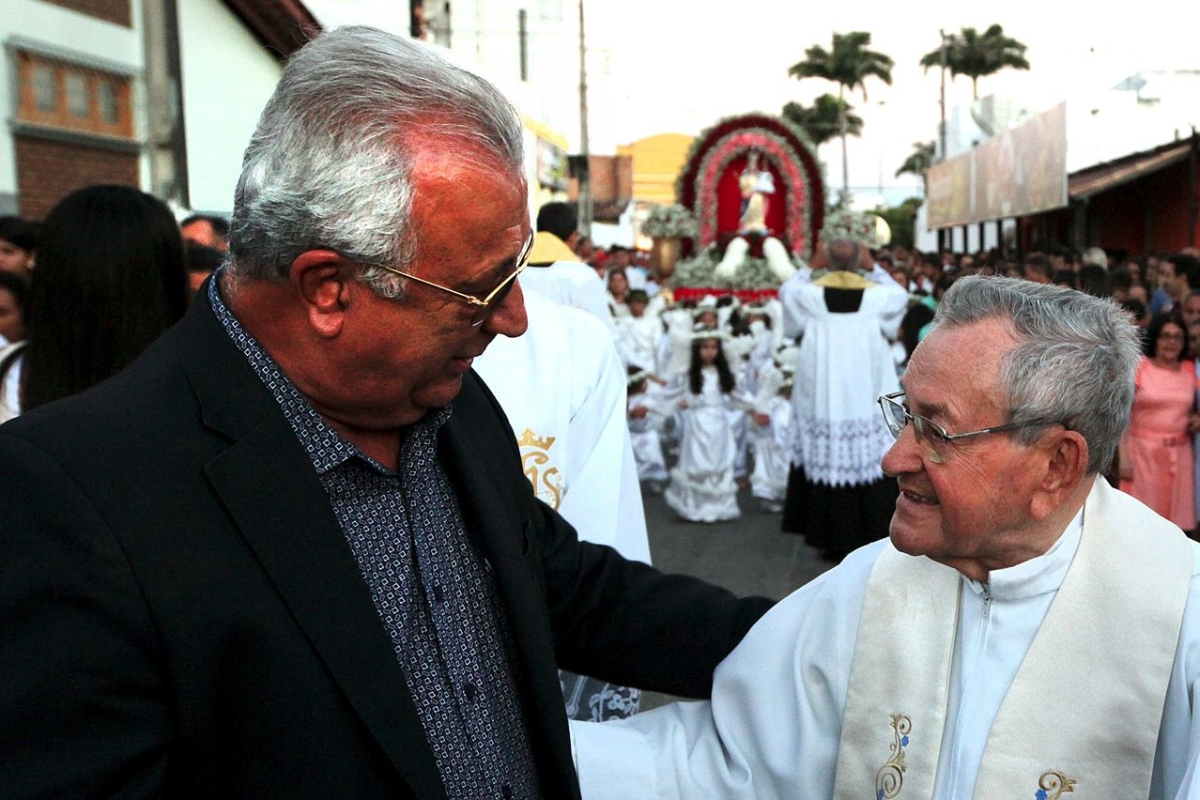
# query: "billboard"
{"points": [[1019, 172]]}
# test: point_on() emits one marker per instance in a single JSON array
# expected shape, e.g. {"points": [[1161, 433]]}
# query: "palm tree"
{"points": [[823, 120], [919, 160], [848, 63], [974, 55]]}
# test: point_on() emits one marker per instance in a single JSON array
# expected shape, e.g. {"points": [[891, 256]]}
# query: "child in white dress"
{"points": [[770, 439], [645, 420], [702, 485]]}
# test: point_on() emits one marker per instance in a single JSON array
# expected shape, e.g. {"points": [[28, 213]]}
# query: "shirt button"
{"points": [[469, 691], [506, 790], [439, 593]]}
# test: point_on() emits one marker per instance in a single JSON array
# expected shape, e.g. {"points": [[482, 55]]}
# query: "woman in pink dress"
{"points": [[1159, 443]]}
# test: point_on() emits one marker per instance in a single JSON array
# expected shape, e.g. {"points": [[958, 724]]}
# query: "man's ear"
{"points": [[320, 278], [1066, 467]]}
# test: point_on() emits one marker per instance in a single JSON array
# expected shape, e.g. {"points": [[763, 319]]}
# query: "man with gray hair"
{"points": [[1026, 630], [291, 551]]}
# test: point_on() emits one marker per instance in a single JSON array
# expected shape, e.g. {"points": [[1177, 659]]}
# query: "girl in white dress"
{"points": [[644, 423], [769, 439], [702, 486]]}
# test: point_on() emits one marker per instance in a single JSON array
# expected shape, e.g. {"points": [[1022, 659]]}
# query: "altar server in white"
{"points": [[554, 270], [845, 309], [562, 386], [1027, 631]]}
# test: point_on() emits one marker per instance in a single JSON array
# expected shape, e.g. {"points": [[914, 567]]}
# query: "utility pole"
{"points": [[585, 179], [942, 131], [166, 143], [845, 157], [942, 101]]}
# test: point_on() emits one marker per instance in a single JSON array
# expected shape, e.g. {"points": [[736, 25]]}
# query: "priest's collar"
{"points": [[1039, 575]]}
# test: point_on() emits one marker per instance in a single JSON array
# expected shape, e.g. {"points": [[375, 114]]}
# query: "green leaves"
{"points": [[848, 63], [821, 121], [919, 160], [977, 55]]}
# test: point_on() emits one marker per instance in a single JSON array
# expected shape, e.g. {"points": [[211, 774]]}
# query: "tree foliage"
{"points": [[977, 55], [822, 120], [918, 160], [849, 63], [902, 220]]}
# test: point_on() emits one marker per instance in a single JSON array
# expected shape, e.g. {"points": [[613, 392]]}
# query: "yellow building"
{"points": [[546, 163], [657, 161]]}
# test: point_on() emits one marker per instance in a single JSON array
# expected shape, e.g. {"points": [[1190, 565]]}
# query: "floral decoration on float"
{"points": [[757, 194]]}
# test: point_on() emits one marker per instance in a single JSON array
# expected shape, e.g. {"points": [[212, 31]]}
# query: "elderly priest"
{"points": [[1026, 631]]}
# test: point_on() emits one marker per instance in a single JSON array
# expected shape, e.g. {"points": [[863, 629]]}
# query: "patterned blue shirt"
{"points": [[434, 591]]}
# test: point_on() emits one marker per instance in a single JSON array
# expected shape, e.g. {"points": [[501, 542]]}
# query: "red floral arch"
{"points": [[708, 183]]}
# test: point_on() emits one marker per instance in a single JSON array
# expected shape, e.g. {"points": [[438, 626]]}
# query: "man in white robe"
{"points": [[1026, 630], [554, 270], [563, 387]]}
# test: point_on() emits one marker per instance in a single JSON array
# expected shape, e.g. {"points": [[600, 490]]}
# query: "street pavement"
{"points": [[747, 555]]}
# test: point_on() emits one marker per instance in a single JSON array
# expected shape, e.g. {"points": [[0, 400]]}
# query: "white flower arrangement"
{"points": [[671, 221], [861, 227], [754, 273]]}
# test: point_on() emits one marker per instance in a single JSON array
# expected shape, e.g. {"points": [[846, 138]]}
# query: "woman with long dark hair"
{"points": [[110, 279]]}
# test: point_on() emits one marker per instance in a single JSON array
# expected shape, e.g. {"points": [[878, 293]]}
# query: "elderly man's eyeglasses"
{"points": [[932, 435], [484, 307]]}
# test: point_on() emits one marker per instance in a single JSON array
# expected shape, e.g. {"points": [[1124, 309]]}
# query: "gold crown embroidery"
{"points": [[530, 439]]}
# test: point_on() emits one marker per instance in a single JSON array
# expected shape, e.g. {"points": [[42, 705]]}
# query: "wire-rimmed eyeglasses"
{"points": [[934, 436], [484, 306]]}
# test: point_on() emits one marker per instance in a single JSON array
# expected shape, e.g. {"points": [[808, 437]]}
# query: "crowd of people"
{"points": [[716, 404], [295, 508]]}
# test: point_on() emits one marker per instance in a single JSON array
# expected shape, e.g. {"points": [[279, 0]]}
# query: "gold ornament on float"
{"points": [[664, 254]]}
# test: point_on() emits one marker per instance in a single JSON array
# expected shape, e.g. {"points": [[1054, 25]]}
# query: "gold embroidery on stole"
{"points": [[535, 455], [1053, 785], [889, 780]]}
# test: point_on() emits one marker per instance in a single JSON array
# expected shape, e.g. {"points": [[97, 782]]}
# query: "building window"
{"points": [[61, 95], [45, 88], [106, 98], [77, 94]]}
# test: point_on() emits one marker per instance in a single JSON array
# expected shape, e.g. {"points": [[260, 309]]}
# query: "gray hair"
{"points": [[1074, 362], [331, 162]]}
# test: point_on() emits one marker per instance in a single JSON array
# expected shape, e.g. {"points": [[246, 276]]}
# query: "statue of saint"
{"points": [[756, 185]]}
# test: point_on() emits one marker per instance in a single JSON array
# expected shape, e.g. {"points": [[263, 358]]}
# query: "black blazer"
{"points": [[180, 614]]}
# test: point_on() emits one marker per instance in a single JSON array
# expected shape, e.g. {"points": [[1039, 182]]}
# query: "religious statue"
{"points": [[756, 185]]}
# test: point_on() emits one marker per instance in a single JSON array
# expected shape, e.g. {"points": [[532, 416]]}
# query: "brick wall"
{"points": [[49, 170], [117, 11]]}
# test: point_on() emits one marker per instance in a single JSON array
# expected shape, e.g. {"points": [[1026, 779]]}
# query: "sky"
{"points": [[679, 66]]}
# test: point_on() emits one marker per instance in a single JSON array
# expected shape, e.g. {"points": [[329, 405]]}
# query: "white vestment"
{"points": [[562, 386], [639, 340], [775, 722], [570, 283], [845, 363]]}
